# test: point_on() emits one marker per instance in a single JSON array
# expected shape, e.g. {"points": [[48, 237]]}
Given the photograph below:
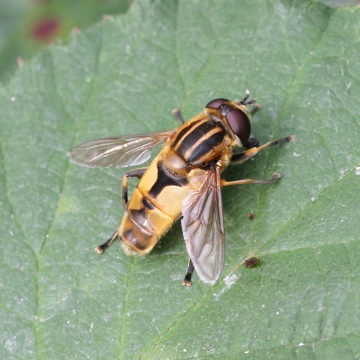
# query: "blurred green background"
{"points": [[28, 25]]}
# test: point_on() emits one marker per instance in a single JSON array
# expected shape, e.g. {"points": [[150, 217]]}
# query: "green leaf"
{"points": [[59, 299], [27, 26]]}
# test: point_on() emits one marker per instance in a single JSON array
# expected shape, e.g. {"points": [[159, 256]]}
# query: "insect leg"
{"points": [[255, 109], [176, 113], [246, 155], [132, 173], [274, 177], [189, 271], [138, 173], [99, 249]]}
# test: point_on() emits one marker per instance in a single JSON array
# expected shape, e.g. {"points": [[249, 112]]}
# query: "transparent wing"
{"points": [[119, 151], [203, 224]]}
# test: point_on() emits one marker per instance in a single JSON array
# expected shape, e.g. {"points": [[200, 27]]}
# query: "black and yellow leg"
{"points": [[248, 154], [189, 271], [138, 173], [274, 177], [99, 249]]}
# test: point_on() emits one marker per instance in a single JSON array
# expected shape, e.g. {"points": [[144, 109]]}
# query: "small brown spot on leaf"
{"points": [[249, 263]]}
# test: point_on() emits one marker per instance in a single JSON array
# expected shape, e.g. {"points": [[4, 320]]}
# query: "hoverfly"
{"points": [[183, 180]]}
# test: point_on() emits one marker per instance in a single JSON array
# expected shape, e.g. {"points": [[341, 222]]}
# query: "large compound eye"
{"points": [[240, 124], [214, 104]]}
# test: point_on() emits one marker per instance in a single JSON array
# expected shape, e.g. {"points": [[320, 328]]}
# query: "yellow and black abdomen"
{"points": [[154, 205]]}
